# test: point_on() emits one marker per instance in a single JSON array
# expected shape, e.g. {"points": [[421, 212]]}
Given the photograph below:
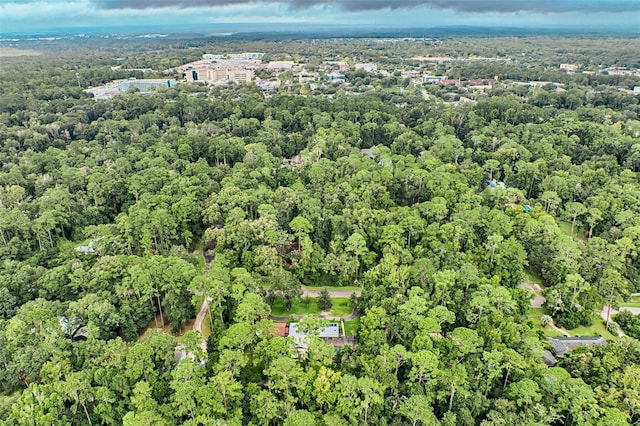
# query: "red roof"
{"points": [[282, 329]]}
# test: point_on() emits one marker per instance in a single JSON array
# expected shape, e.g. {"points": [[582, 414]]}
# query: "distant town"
{"points": [[272, 75]]}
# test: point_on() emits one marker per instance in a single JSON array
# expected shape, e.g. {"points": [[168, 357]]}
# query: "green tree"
{"points": [[324, 300]]}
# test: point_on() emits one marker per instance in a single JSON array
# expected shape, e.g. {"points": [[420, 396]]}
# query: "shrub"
{"points": [[629, 323]]}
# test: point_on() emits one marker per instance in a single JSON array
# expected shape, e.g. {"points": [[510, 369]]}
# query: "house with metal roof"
{"points": [[562, 345]]}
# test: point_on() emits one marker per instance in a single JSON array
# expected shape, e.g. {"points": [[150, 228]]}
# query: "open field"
{"points": [[351, 326], [340, 308], [333, 288], [578, 232], [595, 329], [534, 316]]}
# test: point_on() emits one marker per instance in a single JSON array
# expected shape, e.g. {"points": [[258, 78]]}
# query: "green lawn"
{"points": [[548, 331], [351, 327], [340, 307], [333, 288], [538, 312], [578, 232], [634, 302], [534, 316], [595, 329], [532, 277]]}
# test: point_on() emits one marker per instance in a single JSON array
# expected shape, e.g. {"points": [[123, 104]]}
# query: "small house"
{"points": [[562, 345]]}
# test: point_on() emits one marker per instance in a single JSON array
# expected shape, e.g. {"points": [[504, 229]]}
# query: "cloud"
{"points": [[464, 6]]}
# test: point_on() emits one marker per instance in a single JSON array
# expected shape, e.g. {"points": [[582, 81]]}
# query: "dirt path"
{"points": [[197, 325], [333, 293], [538, 300]]}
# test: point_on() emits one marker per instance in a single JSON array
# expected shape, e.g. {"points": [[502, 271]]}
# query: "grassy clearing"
{"points": [[309, 306], [333, 288], [351, 327], [340, 307], [532, 277], [633, 302], [596, 329], [206, 327], [299, 307], [538, 312], [578, 232], [548, 331], [156, 326], [534, 316]]}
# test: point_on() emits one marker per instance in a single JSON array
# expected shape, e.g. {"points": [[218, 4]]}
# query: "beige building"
{"points": [[218, 73]]}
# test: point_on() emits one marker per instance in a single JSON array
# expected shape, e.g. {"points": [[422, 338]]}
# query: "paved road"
{"points": [[634, 311], [603, 314], [307, 292]]}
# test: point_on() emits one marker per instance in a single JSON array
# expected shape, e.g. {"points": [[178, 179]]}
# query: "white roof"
{"points": [[301, 339]]}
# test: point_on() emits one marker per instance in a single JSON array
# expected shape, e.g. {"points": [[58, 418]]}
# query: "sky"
{"points": [[48, 15]]}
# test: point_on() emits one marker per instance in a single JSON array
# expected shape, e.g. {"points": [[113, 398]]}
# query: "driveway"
{"points": [[538, 299]]}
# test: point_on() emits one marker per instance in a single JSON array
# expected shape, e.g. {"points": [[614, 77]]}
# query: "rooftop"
{"points": [[300, 338], [282, 329], [561, 345]]}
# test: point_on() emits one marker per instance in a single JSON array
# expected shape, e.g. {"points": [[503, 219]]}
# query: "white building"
{"points": [[569, 67], [367, 67], [146, 85], [280, 65]]}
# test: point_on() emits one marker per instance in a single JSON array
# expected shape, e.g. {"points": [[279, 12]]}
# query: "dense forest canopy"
{"points": [[436, 207]]}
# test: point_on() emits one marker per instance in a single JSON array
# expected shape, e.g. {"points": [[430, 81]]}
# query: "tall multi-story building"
{"points": [[218, 73], [237, 68]]}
